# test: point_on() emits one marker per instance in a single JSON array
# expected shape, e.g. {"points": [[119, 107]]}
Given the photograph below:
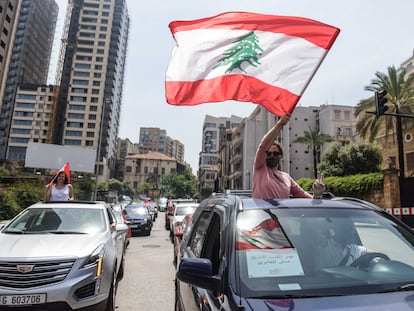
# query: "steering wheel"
{"points": [[364, 260]]}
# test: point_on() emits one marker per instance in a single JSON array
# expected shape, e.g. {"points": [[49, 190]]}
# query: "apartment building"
{"points": [[32, 118], [91, 72], [150, 168], [29, 27], [9, 11], [213, 129]]}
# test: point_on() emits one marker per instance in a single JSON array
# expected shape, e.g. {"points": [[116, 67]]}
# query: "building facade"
{"points": [[213, 129], [28, 62], [91, 73], [148, 168]]}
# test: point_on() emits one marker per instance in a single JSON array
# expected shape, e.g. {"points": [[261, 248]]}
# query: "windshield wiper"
{"points": [[15, 232], [290, 296], [403, 288], [66, 232]]}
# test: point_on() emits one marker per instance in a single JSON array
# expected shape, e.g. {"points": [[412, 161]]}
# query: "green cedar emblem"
{"points": [[245, 49]]}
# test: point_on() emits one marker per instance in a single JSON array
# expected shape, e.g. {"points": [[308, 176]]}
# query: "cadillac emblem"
{"points": [[25, 268]]}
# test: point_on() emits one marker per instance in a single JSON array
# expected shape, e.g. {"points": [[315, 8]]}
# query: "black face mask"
{"points": [[272, 161]]}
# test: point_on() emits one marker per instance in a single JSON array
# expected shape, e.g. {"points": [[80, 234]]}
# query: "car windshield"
{"points": [[60, 220], [184, 210], [307, 251], [136, 211]]}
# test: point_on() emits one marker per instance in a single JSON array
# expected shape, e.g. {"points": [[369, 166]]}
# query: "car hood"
{"points": [[49, 245], [400, 301]]}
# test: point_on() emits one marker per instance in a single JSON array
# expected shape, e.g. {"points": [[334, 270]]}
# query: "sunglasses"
{"points": [[274, 153]]}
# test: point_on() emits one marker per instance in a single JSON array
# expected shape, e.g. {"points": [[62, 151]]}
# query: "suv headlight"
{"points": [[96, 259]]}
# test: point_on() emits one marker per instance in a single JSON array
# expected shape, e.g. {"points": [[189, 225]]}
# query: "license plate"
{"points": [[21, 300], [134, 226]]}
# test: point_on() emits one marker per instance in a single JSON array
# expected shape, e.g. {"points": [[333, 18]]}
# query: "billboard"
{"points": [[49, 156]]}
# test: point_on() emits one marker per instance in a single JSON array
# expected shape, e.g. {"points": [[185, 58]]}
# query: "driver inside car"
{"points": [[338, 244]]}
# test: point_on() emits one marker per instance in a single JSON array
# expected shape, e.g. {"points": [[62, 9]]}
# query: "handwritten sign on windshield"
{"points": [[273, 263]]}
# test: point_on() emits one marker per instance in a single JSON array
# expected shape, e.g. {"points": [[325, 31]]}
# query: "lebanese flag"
{"points": [[263, 59], [65, 168], [266, 235]]}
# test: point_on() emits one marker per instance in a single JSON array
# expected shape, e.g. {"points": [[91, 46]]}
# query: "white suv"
{"points": [[62, 256]]}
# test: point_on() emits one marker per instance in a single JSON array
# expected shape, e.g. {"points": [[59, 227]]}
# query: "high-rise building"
{"points": [[28, 61], [91, 73], [9, 12], [156, 139]]}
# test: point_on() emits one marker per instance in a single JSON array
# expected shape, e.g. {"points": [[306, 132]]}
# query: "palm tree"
{"points": [[314, 140], [400, 95]]}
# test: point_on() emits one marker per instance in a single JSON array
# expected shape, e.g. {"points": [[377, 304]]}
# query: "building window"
{"points": [[337, 114], [410, 162], [347, 115]]}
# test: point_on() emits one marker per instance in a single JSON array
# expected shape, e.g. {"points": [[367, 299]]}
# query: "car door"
{"points": [[118, 236], [205, 242]]}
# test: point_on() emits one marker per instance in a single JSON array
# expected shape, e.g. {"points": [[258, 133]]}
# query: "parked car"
{"points": [[152, 207], [181, 228], [139, 218], [294, 254], [121, 219], [181, 209], [61, 256], [171, 203], [162, 204]]}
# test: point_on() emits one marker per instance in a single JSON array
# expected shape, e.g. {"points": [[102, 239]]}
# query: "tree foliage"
{"points": [[348, 186], [9, 207], [400, 95], [179, 185], [354, 158]]}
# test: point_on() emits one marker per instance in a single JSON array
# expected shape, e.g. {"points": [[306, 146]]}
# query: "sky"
{"points": [[375, 34]]}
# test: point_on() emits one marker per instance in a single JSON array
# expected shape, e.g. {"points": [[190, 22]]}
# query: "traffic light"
{"points": [[380, 101]]}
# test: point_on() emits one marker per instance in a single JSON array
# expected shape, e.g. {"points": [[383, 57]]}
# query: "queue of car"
{"points": [[68, 255]]}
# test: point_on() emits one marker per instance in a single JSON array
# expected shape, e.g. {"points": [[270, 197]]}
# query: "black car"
{"points": [[139, 218], [294, 254]]}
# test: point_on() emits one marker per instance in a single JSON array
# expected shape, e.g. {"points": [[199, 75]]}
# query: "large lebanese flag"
{"points": [[263, 59]]}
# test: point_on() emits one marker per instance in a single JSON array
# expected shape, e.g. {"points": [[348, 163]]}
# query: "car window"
{"points": [[212, 242], [184, 210], [313, 250], [199, 233], [136, 211], [64, 220]]}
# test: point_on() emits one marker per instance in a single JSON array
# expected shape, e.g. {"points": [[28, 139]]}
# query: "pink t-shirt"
{"points": [[272, 184]]}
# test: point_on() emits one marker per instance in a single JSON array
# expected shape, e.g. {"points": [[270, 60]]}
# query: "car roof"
{"points": [[246, 202]]}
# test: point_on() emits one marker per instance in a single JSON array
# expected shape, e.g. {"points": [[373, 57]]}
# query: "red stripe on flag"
{"points": [[239, 87], [318, 33]]}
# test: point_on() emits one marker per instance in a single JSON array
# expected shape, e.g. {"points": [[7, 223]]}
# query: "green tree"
{"points": [[9, 207], [179, 185], [353, 158], [400, 95], [314, 140], [27, 193]]}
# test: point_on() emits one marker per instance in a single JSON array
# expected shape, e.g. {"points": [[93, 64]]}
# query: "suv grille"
{"points": [[39, 273]]}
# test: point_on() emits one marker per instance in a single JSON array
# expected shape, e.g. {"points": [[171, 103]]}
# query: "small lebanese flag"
{"points": [[65, 168], [263, 59]]}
